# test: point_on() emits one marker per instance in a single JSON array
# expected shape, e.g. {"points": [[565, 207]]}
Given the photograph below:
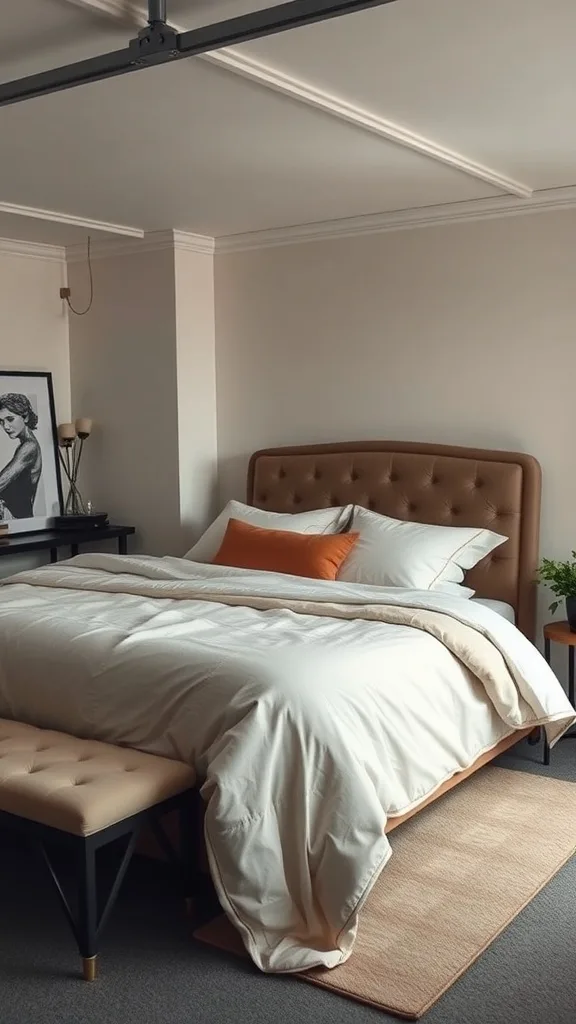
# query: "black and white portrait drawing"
{"points": [[30, 493]]}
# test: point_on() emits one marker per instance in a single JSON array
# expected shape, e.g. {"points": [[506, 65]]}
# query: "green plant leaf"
{"points": [[560, 577]]}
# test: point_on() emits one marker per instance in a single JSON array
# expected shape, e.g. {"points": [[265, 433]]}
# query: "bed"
{"points": [[440, 484], [318, 715]]}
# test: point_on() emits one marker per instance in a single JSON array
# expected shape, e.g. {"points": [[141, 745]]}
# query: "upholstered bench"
{"points": [[55, 788]]}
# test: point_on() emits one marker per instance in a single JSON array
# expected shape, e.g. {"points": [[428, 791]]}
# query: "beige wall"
{"points": [[34, 334], [460, 334], [142, 366], [33, 325], [123, 372], [196, 382]]}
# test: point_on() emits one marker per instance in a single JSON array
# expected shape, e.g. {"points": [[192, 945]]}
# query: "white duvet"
{"points": [[308, 723]]}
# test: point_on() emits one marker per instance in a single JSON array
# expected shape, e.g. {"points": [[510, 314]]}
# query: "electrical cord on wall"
{"points": [[82, 312]]}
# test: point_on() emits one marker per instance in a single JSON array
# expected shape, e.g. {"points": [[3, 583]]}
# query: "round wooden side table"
{"points": [[560, 633]]}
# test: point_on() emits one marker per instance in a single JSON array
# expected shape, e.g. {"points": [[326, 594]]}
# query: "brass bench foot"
{"points": [[89, 967]]}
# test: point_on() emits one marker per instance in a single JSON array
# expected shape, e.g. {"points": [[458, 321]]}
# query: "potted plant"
{"points": [[561, 578]]}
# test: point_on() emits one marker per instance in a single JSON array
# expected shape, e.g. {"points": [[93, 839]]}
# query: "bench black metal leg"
{"points": [[184, 857], [190, 827], [122, 869], [87, 923], [89, 917]]}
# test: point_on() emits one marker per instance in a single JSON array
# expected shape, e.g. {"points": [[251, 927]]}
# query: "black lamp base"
{"points": [[92, 520]]}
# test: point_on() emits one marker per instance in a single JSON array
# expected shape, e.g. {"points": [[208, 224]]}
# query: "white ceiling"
{"points": [[195, 147]]}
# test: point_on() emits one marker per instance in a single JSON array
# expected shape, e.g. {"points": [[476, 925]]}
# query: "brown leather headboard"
{"points": [[440, 484]]}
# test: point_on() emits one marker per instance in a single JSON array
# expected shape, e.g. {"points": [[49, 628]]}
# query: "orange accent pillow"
{"points": [[314, 555]]}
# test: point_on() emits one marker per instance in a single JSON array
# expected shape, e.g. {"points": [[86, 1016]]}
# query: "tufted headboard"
{"points": [[427, 483]]}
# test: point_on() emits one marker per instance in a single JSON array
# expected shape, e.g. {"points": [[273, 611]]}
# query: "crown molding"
{"points": [[401, 220], [32, 250], [348, 227], [184, 241], [235, 61], [152, 241], [56, 217], [105, 248]]}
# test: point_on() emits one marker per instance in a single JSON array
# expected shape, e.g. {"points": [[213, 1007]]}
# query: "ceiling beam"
{"points": [[233, 60]]}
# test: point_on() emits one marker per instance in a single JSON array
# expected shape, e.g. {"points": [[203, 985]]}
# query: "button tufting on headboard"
{"points": [[439, 484]]}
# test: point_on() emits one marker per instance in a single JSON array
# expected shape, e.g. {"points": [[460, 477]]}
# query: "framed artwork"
{"points": [[30, 488]]}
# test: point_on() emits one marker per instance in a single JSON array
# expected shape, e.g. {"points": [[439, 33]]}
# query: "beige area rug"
{"points": [[462, 870]]}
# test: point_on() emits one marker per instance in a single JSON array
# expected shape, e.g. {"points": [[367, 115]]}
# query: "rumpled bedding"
{"points": [[311, 710]]}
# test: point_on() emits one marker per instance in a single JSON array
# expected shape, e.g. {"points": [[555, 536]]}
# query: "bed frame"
{"points": [[441, 484]]}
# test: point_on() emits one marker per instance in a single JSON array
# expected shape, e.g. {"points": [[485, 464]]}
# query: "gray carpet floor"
{"points": [[152, 972]]}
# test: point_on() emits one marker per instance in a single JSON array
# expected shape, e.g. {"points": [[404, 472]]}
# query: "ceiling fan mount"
{"points": [[158, 43]]}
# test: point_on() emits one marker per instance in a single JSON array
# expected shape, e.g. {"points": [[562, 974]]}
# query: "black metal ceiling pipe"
{"points": [[284, 17], [158, 45], [156, 11]]}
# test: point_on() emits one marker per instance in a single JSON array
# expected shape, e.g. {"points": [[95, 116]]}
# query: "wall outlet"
{"points": [[65, 293]]}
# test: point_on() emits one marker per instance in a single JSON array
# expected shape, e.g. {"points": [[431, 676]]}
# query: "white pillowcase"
{"points": [[395, 553], [454, 589], [321, 520]]}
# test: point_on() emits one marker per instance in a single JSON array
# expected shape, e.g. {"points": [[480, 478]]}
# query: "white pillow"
{"points": [[395, 553], [321, 520]]}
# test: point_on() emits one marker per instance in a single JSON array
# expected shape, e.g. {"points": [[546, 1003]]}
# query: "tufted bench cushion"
{"points": [[58, 790], [80, 786]]}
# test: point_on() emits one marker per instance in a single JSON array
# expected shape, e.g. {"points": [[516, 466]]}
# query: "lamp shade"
{"points": [[83, 427], [67, 431]]}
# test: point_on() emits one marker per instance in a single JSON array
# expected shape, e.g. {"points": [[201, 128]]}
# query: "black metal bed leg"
{"points": [[87, 923], [546, 750], [535, 736]]}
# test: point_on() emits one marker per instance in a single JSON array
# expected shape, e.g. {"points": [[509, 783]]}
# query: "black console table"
{"points": [[53, 540]]}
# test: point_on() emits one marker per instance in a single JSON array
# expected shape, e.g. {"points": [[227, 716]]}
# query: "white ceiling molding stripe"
{"points": [[401, 220], [32, 250], [235, 61], [391, 131], [71, 220], [153, 241]]}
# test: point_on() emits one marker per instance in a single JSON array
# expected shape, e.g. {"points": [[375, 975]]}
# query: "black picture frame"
{"points": [[30, 479]]}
